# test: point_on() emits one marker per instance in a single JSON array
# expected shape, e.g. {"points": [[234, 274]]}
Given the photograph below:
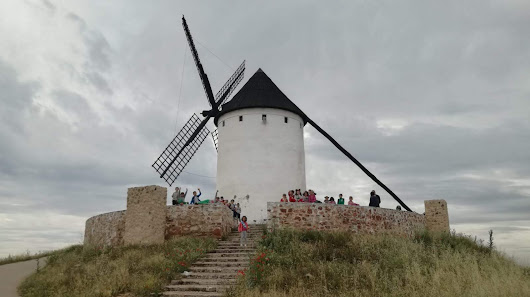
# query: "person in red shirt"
{"points": [[312, 198], [291, 196], [243, 229], [284, 198]]}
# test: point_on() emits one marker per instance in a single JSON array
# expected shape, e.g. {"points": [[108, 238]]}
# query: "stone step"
{"points": [[225, 259], [205, 281], [215, 269], [210, 275], [243, 264], [235, 245], [197, 287], [230, 255], [254, 233], [233, 251], [234, 240], [237, 239], [193, 294]]}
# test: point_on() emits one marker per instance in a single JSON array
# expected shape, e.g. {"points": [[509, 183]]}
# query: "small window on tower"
{"points": [[240, 118], [285, 120], [300, 125], [223, 123], [264, 118]]}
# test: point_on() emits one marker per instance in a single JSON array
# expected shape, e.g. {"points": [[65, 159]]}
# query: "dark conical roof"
{"points": [[260, 92]]}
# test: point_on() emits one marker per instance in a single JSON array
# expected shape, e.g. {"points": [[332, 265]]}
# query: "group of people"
{"points": [[179, 198], [310, 197]]}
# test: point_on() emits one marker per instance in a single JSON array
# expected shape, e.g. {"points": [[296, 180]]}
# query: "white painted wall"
{"points": [[259, 160]]}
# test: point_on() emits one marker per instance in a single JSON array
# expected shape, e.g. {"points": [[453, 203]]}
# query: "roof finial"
{"points": [[259, 70]]}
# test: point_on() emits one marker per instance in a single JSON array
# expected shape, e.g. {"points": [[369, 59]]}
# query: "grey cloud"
{"points": [[100, 83], [49, 5], [73, 103], [16, 97]]}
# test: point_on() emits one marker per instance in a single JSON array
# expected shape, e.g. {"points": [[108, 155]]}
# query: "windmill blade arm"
{"points": [[230, 85], [190, 140], [215, 137], [345, 152], [204, 78], [177, 154]]}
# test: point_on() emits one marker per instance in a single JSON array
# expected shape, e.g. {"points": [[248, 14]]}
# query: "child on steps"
{"points": [[243, 229]]}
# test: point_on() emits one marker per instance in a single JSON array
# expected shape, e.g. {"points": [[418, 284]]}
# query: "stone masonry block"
{"points": [[145, 220], [436, 216]]}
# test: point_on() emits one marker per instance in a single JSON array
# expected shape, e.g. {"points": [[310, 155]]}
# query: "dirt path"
{"points": [[11, 275]]}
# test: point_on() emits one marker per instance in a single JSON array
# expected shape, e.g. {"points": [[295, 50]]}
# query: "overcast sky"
{"points": [[432, 96]]}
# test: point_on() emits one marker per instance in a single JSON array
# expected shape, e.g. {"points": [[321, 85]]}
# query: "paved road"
{"points": [[11, 275]]}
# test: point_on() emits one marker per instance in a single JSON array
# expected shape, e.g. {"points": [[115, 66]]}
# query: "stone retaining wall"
{"points": [[356, 219], [203, 220], [105, 229], [215, 220]]}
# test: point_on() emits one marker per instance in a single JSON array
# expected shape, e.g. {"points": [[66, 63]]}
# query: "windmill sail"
{"points": [[230, 85], [182, 148], [169, 169], [215, 137]]}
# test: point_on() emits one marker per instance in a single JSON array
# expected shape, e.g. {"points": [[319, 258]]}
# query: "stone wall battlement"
{"points": [[149, 220], [356, 219]]}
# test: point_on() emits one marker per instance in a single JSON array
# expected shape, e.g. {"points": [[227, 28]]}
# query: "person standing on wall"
{"points": [[312, 196], [182, 199], [243, 229], [375, 200], [176, 195], [341, 200], [195, 199]]}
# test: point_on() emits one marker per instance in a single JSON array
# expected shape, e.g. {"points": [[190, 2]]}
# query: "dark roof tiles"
{"points": [[260, 92]]}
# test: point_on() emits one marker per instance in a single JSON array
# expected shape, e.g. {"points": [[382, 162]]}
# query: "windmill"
{"points": [[259, 141], [181, 149]]}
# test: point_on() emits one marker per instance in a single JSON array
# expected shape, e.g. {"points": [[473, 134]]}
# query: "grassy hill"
{"points": [[293, 263], [104, 272]]}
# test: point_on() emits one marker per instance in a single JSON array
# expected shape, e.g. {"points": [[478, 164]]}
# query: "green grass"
{"points": [[25, 257], [312, 263], [94, 272]]}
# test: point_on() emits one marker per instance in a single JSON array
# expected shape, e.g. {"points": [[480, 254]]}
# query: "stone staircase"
{"points": [[218, 270]]}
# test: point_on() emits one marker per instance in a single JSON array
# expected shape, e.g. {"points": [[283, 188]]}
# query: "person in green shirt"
{"points": [[341, 200], [182, 199]]}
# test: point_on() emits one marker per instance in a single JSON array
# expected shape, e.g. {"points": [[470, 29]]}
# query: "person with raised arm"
{"points": [[243, 229], [195, 199]]}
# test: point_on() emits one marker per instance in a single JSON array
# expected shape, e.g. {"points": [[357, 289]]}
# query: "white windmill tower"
{"points": [[260, 141], [260, 146]]}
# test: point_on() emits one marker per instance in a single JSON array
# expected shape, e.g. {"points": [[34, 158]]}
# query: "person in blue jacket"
{"points": [[195, 199]]}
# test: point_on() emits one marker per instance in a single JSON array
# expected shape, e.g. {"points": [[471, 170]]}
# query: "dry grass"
{"points": [[93, 272], [25, 257], [340, 264]]}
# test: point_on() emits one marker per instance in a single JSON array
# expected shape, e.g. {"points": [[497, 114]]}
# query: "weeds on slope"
{"points": [[25, 257], [142, 270], [314, 263]]}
